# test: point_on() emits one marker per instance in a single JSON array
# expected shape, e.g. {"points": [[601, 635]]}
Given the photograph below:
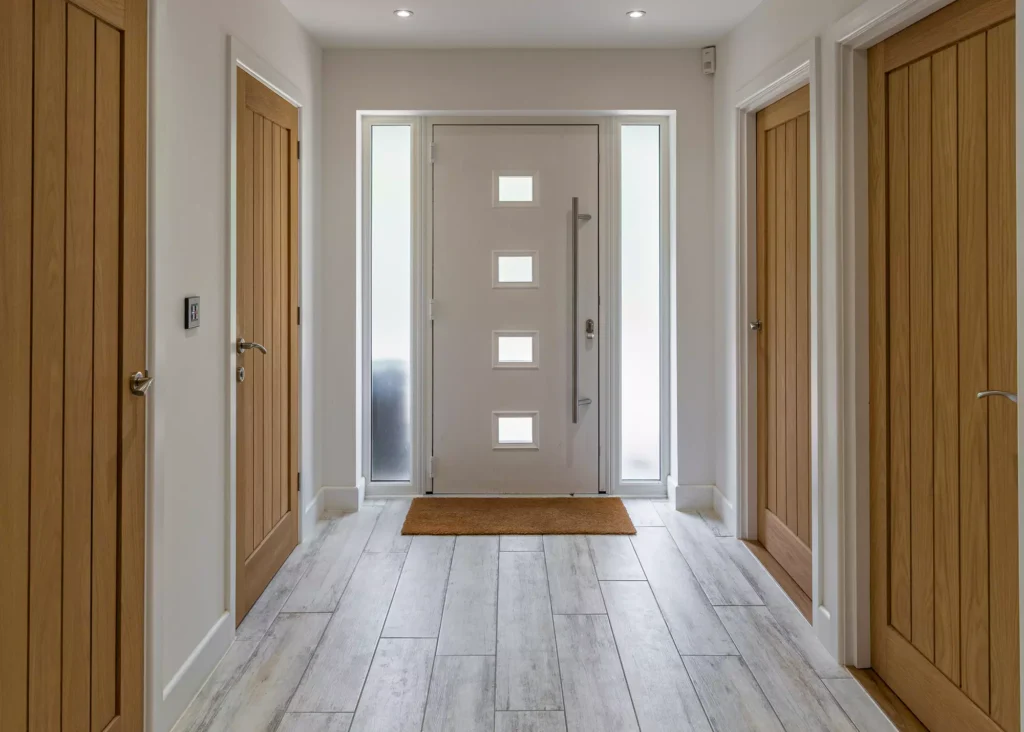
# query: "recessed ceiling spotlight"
{"points": [[402, 13], [634, 14]]}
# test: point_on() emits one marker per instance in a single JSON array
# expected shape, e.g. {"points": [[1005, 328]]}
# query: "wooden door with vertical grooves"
{"points": [[943, 328], [72, 329], [267, 417], [783, 293]]}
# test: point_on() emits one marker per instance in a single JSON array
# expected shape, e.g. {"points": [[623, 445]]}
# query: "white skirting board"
{"points": [[342, 499], [189, 679], [312, 513], [695, 497], [725, 510]]}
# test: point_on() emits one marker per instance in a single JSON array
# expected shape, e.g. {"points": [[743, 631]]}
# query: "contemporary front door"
{"points": [[515, 309]]}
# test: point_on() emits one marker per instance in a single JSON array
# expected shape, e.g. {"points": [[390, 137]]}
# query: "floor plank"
{"points": [[225, 677], [798, 696], [614, 558], [571, 576], [522, 543], [527, 661], [730, 695], [257, 701], [723, 583], [387, 534], [799, 631], [419, 600], [529, 722], [265, 610], [695, 628], [315, 722], [396, 688], [642, 512], [596, 696], [335, 676], [469, 625], [322, 585], [782, 578], [461, 695], [715, 522], [664, 698], [860, 707]]}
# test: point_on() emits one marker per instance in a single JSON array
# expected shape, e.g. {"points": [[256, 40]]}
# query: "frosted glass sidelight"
{"points": [[515, 188], [391, 302], [641, 302]]}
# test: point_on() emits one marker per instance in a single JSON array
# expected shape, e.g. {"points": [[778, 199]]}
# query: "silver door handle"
{"points": [[1008, 394], [577, 217], [756, 326], [244, 345], [139, 383]]}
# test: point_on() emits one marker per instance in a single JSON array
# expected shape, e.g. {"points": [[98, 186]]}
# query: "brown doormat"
{"points": [[451, 516]]}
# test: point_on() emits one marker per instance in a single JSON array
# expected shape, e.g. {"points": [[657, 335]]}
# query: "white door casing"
{"points": [[480, 240]]}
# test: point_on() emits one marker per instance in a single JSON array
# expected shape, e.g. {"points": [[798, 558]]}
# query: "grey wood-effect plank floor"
{"points": [[677, 628]]}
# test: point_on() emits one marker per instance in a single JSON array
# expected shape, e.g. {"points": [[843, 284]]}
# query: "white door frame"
{"points": [[609, 125], [799, 68]]}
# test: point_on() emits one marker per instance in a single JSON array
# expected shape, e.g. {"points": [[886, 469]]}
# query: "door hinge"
{"points": [[298, 149], [430, 310], [433, 152], [433, 466], [298, 315]]}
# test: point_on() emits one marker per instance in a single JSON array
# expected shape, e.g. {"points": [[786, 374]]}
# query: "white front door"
{"points": [[515, 336]]}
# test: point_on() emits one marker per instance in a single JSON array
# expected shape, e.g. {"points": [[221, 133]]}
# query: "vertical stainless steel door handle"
{"points": [[1008, 394], [577, 217]]}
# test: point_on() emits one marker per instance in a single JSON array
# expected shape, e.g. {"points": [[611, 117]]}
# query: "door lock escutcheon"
{"points": [[590, 329]]}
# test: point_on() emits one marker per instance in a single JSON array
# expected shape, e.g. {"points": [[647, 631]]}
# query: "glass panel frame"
{"points": [[515, 417], [390, 223], [642, 312], [498, 335], [499, 284], [496, 188]]}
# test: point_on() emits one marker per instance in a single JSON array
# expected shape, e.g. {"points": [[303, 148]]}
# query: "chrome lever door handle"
{"points": [[139, 383], [244, 345], [1008, 394]]}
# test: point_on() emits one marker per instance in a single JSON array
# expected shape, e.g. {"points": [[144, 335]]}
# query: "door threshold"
{"points": [[780, 575], [890, 704]]}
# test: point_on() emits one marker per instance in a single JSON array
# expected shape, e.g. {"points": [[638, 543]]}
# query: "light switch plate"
{"points": [[191, 312]]}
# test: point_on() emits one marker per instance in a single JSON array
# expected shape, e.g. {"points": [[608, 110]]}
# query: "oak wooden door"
{"points": [[267, 275], [72, 329], [943, 328], [783, 349]]}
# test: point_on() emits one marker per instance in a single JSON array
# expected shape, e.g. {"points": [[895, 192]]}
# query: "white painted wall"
{"points": [[189, 203], [511, 80]]}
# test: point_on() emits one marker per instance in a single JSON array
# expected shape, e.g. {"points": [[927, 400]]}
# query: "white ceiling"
{"points": [[519, 23]]}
